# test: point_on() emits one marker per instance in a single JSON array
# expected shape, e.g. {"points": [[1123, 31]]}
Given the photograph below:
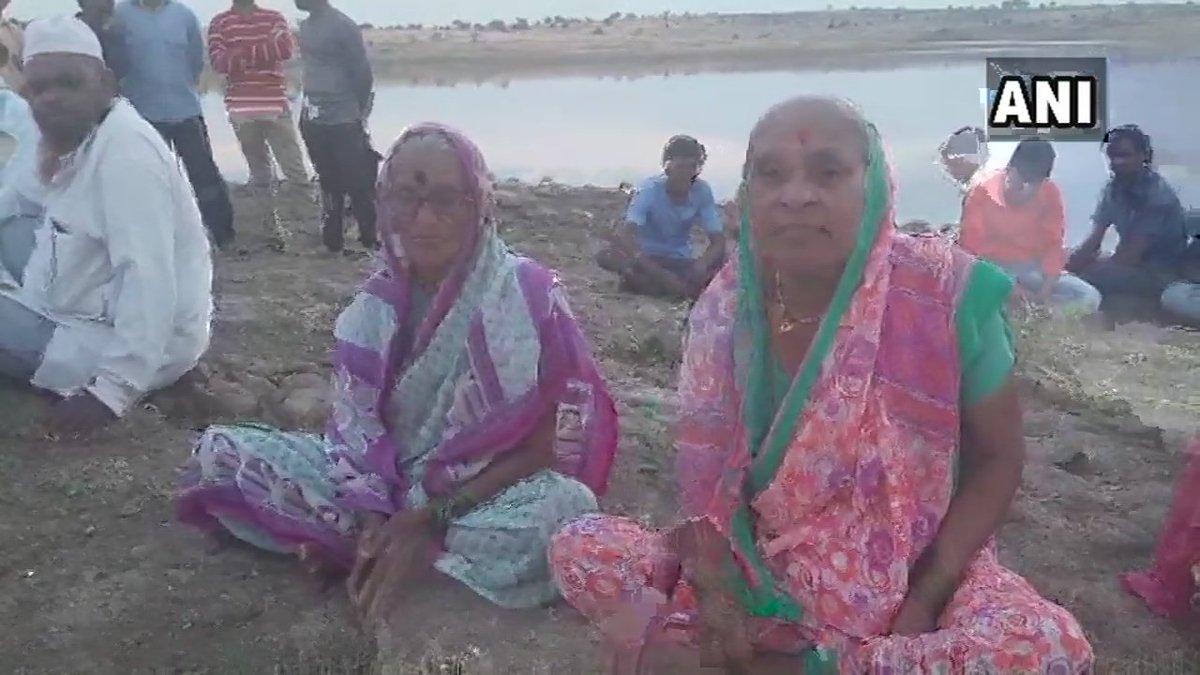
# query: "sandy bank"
{"points": [[95, 578], [856, 38]]}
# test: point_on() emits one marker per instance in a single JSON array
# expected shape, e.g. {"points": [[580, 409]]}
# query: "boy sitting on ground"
{"points": [[652, 251]]}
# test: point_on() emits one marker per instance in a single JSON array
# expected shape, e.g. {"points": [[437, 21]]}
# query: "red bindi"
{"points": [[803, 135]]}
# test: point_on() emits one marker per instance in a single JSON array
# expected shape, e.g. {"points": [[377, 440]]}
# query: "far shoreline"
{"points": [[836, 40], [499, 75]]}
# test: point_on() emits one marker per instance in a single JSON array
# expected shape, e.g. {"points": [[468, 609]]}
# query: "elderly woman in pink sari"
{"points": [[469, 418], [849, 441]]}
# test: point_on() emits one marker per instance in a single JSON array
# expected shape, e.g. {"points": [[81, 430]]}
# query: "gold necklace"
{"points": [[787, 323]]}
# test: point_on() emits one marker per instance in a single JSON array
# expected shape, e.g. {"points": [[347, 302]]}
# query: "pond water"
{"points": [[604, 131], [391, 13]]}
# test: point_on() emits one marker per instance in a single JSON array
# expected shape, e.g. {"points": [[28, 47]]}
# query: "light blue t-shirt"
{"points": [[664, 226], [166, 58]]}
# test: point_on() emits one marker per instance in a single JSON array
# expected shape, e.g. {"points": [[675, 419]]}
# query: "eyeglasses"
{"points": [[441, 202]]}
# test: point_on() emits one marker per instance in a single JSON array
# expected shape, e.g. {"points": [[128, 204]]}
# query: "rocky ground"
{"points": [[96, 578]]}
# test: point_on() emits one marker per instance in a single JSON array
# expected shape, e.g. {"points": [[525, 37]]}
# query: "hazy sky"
{"points": [[387, 12]]}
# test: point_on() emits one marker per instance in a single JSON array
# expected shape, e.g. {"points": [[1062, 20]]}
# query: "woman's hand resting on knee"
{"points": [[389, 554], [705, 557]]}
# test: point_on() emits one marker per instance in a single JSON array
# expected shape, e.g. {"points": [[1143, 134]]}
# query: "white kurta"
{"points": [[122, 265]]}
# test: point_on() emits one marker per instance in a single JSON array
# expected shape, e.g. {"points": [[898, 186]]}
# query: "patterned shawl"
{"points": [[497, 350]]}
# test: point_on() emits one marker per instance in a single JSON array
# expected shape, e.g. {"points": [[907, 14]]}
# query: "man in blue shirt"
{"points": [[652, 250], [1150, 220], [166, 59]]}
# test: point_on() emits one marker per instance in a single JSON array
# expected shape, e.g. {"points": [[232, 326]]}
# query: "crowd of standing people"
{"points": [[841, 479], [95, 308], [249, 47]]}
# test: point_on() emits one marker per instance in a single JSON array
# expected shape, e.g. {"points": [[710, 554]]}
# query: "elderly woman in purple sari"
{"points": [[469, 418]]}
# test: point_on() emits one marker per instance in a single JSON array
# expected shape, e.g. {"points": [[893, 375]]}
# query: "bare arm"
{"points": [[972, 227], [1054, 234], [993, 457], [714, 227], [1131, 250], [1087, 252], [624, 240], [535, 454], [1161, 220], [1090, 248]]}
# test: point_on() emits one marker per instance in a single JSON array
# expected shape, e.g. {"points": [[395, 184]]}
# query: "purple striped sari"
{"points": [[418, 411], [493, 308]]}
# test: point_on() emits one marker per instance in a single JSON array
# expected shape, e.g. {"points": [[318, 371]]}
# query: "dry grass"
{"points": [[1149, 371]]}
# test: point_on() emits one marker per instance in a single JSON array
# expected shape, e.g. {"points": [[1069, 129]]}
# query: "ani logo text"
{"points": [[1062, 99]]}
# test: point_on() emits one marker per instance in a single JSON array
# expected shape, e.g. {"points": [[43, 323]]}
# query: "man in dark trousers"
{"points": [[338, 95], [162, 80]]}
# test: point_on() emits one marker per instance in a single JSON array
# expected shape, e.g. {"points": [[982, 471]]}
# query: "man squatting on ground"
{"points": [[106, 286]]}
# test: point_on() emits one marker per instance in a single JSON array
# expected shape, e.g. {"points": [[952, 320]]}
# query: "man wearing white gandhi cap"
{"points": [[113, 297], [61, 35]]}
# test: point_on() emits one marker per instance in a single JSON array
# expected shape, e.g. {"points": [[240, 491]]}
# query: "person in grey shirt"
{"points": [[338, 94]]}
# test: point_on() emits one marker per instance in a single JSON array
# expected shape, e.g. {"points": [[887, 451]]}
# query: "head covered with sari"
{"points": [[433, 384], [797, 469]]}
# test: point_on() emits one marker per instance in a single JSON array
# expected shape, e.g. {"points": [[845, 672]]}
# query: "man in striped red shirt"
{"points": [[249, 45]]}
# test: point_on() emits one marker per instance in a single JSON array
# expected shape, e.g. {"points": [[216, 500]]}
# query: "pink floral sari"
{"points": [[830, 490]]}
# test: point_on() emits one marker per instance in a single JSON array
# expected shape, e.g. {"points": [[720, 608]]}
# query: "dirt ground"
{"points": [[677, 44], [95, 577]]}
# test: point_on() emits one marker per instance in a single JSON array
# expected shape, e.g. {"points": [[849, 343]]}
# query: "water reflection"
{"points": [[604, 131]]}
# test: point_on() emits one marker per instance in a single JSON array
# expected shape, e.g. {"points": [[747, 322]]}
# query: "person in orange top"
{"points": [[1015, 218]]}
